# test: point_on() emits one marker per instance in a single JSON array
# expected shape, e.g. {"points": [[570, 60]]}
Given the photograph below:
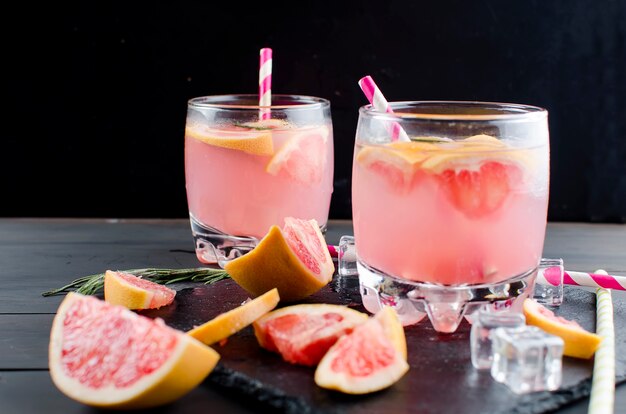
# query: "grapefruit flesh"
{"points": [[579, 343], [302, 157], [226, 324], [294, 260], [481, 192], [371, 358], [107, 356], [134, 292], [302, 334]]}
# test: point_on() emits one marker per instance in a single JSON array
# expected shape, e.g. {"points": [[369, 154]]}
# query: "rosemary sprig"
{"points": [[254, 127], [92, 284]]}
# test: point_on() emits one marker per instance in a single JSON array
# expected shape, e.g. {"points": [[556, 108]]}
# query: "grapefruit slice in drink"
{"points": [[579, 343], [228, 323], [134, 292], [371, 358], [240, 139], [302, 157], [295, 260], [479, 173], [105, 355], [302, 334], [397, 161]]}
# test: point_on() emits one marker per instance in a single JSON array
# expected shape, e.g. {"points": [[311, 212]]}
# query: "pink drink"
{"points": [[450, 213], [242, 180]]}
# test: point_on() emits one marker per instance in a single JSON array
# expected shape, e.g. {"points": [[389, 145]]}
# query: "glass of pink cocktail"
{"points": [[455, 217], [244, 173]]}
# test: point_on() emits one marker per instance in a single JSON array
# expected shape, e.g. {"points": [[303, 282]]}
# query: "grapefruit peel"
{"points": [[250, 142], [133, 292], [228, 323], [579, 343], [183, 366]]}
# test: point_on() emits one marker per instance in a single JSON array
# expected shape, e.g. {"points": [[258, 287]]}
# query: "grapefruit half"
{"points": [[133, 292], [371, 358], [105, 355], [579, 343], [295, 260], [302, 334], [228, 323]]}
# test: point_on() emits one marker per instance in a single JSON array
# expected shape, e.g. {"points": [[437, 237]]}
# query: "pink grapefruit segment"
{"points": [[302, 157], [578, 342], [134, 292], [371, 358], [302, 334], [294, 260], [107, 356]]}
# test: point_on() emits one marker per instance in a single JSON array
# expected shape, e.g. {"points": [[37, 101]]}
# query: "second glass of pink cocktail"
{"points": [[455, 215], [245, 172]]}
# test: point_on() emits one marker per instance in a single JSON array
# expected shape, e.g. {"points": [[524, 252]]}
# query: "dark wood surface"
{"points": [[39, 254]]}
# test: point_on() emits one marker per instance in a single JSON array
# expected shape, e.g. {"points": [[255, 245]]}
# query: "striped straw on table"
{"points": [[265, 81], [375, 97], [602, 398]]}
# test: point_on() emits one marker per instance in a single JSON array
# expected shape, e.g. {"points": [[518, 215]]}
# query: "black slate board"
{"points": [[441, 378]]}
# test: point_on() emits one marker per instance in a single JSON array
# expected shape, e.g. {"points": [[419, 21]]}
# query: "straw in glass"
{"points": [[265, 82], [375, 97]]}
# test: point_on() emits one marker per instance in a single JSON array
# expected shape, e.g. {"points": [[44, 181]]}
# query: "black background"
{"points": [[96, 92]]}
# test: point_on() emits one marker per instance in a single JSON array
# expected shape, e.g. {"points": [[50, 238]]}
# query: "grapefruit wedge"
{"points": [[134, 292], [302, 334], [295, 260], [235, 320], [371, 358], [579, 343], [105, 355]]}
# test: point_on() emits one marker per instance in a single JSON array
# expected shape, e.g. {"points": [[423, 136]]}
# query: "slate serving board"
{"points": [[441, 377]]}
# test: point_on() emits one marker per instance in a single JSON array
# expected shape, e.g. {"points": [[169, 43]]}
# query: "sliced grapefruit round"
{"points": [[371, 358], [302, 157], [579, 343], [134, 292], [397, 162], [228, 323], [302, 334], [240, 139], [295, 260], [105, 355]]}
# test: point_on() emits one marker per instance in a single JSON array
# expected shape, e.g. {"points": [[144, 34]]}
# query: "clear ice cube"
{"points": [[549, 284], [527, 359], [485, 321]]}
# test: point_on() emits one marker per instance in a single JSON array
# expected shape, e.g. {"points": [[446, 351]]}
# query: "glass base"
{"points": [[213, 246], [445, 306]]}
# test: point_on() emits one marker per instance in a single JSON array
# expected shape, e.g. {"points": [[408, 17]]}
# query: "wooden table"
{"points": [[39, 254]]}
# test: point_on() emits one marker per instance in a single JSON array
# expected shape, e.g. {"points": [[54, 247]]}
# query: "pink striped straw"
{"points": [[594, 280], [378, 101], [265, 81]]}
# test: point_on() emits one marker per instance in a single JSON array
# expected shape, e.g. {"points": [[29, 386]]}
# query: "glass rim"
{"points": [[519, 112], [221, 102]]}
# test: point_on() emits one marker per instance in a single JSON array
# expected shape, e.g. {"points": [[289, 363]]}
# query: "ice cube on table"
{"points": [[485, 322], [549, 284], [527, 359]]}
